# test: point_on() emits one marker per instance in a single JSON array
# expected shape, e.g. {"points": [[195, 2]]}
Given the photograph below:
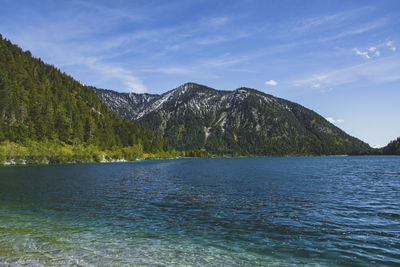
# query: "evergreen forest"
{"points": [[47, 116]]}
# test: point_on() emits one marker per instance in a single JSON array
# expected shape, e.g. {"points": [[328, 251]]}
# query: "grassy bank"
{"points": [[59, 152], [56, 152]]}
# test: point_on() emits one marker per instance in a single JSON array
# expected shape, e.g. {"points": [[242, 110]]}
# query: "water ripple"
{"points": [[314, 211]]}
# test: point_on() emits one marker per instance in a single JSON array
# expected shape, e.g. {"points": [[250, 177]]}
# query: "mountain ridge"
{"points": [[242, 121]]}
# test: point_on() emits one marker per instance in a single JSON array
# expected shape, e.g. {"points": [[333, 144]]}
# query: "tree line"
{"points": [[40, 106]]}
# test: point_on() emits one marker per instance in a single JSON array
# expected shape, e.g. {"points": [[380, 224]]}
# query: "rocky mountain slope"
{"points": [[240, 122]]}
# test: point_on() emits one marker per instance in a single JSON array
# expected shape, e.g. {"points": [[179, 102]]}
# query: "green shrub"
{"points": [[2, 154]]}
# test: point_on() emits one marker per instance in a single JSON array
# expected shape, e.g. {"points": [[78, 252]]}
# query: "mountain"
{"points": [[39, 103], [393, 148], [240, 122]]}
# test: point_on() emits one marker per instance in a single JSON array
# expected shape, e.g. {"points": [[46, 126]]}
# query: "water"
{"points": [[316, 211]]}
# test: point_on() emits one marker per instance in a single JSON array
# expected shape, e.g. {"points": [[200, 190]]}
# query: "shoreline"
{"points": [[13, 162]]}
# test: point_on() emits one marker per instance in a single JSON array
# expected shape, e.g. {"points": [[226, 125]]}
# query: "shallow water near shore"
{"points": [[318, 211]]}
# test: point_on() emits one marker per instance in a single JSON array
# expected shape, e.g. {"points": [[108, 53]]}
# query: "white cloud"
{"points": [[316, 85], [373, 50], [369, 52], [314, 81], [133, 84], [271, 82], [360, 53], [332, 120], [391, 46], [377, 146], [320, 77]]}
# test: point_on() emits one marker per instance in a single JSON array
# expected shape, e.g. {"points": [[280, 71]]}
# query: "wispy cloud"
{"points": [[391, 46], [212, 40], [171, 70], [334, 26], [386, 69], [356, 30], [226, 60], [271, 82], [312, 23], [316, 85], [230, 59], [110, 14], [217, 21], [131, 82], [134, 44]]}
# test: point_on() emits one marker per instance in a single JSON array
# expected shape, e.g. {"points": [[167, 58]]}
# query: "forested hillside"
{"points": [[240, 122], [40, 104], [47, 116], [393, 148]]}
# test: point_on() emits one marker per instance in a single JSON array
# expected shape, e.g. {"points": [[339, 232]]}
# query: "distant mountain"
{"points": [[39, 103], [240, 122], [393, 148]]}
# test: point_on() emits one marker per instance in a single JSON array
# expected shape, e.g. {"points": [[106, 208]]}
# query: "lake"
{"points": [[289, 211]]}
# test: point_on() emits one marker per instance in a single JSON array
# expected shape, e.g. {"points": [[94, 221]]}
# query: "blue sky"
{"points": [[339, 58]]}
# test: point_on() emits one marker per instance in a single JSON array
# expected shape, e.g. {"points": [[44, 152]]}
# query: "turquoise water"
{"points": [[317, 211]]}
